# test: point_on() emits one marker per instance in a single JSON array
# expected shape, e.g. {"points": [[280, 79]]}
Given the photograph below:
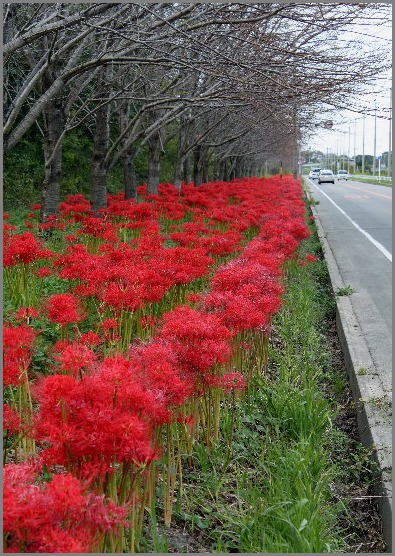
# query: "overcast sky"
{"points": [[351, 132]]}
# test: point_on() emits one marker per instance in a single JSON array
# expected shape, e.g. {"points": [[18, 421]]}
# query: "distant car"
{"points": [[314, 173], [326, 176], [342, 175]]}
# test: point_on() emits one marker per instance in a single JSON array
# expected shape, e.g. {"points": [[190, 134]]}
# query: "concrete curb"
{"points": [[372, 401]]}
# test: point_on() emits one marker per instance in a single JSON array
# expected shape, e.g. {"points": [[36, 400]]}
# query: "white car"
{"points": [[326, 176], [314, 173], [342, 175]]}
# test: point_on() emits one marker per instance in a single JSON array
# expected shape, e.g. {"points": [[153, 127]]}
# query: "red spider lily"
{"points": [[26, 313], [233, 381], [215, 243], [239, 312], [97, 227], [43, 272], [103, 418], [75, 207], [75, 358], [58, 516], [124, 278], [194, 298], [244, 294], [157, 366], [71, 238], [109, 324], [23, 248], [311, 258], [109, 327], [90, 339], [17, 350], [241, 272], [281, 243], [11, 420], [7, 228], [63, 308], [200, 340], [78, 263]]}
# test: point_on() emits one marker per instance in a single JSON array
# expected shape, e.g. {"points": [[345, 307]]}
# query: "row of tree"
{"points": [[234, 85]]}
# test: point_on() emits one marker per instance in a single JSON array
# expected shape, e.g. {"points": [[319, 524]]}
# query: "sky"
{"points": [[352, 133]]}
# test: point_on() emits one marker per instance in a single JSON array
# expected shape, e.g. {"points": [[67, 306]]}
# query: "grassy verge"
{"points": [[387, 183], [272, 484]]}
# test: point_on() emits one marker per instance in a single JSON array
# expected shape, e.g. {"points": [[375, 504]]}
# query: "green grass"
{"points": [[387, 183], [270, 489], [346, 291]]}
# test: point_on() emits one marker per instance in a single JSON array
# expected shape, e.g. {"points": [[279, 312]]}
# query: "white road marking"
{"points": [[380, 247]]}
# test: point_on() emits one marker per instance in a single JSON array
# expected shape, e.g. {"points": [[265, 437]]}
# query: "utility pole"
{"points": [[389, 161], [363, 145], [348, 153], [375, 138]]}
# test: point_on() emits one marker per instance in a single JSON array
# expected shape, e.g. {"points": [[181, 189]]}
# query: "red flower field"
{"points": [[124, 337]]}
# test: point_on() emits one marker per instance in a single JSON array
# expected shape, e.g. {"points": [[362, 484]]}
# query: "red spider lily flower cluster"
{"points": [[101, 419], [63, 308], [11, 420], [17, 353], [23, 248], [58, 516], [199, 340], [99, 409]]}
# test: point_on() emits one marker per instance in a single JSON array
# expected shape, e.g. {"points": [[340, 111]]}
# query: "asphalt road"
{"points": [[357, 221], [355, 228]]}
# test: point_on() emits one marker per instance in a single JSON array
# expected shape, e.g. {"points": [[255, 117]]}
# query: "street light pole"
{"points": [[348, 154], [375, 138], [355, 148], [363, 145]]}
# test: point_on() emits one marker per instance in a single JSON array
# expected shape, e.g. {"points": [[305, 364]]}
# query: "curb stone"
{"points": [[372, 400]]}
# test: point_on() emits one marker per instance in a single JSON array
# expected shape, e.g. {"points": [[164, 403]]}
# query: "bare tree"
{"points": [[236, 83]]}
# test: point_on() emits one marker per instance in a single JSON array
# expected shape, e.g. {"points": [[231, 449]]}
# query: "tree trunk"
{"points": [[154, 163], [180, 162], [188, 169], [179, 172], [99, 169], [197, 166], [205, 164], [228, 169], [216, 169], [129, 169], [221, 170], [238, 167], [54, 119], [129, 175]]}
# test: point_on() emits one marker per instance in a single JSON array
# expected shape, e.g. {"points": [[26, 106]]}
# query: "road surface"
{"points": [[354, 221], [357, 221]]}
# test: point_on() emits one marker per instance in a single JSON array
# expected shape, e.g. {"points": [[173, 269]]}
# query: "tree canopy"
{"points": [[234, 86]]}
